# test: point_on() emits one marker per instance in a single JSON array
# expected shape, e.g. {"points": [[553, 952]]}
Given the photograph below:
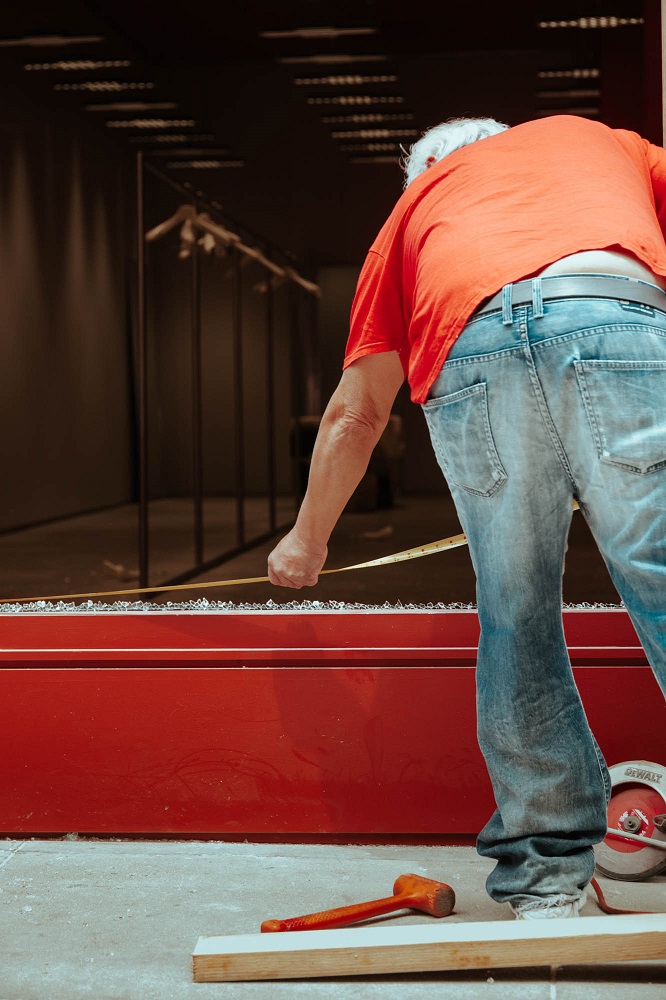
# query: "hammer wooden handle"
{"points": [[337, 917], [410, 891]]}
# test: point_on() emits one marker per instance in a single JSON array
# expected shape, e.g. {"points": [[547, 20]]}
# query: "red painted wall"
{"points": [[275, 725]]}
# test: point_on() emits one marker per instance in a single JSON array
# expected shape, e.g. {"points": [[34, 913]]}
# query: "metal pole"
{"points": [[298, 388], [296, 372], [270, 405], [197, 419], [142, 374], [314, 402], [237, 322]]}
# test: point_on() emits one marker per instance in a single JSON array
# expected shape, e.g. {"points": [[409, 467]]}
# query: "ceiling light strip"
{"points": [[569, 94], [318, 32], [371, 147], [134, 106], [365, 119], [348, 80], [354, 100], [594, 22], [581, 112], [49, 41], [332, 59], [569, 74], [374, 133], [204, 164], [172, 138], [80, 65], [192, 151], [104, 86], [375, 159], [151, 123]]}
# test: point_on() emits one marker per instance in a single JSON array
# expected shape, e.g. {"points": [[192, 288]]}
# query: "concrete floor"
{"points": [[118, 920], [98, 551]]}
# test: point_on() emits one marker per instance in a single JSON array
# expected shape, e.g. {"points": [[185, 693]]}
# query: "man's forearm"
{"points": [[340, 458], [350, 428]]}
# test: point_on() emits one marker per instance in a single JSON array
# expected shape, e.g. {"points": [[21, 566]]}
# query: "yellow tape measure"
{"points": [[416, 553]]}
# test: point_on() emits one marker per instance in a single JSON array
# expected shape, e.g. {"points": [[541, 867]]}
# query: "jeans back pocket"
{"points": [[625, 402], [461, 436]]}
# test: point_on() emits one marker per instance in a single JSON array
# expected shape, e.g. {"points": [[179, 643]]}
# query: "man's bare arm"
{"points": [[350, 428]]}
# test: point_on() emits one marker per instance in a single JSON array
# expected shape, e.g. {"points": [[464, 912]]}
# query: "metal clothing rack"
{"points": [[274, 260]]}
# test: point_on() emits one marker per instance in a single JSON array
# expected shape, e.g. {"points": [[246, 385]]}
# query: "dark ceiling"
{"points": [[314, 165]]}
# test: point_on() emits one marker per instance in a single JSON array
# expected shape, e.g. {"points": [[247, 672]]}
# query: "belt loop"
{"points": [[507, 306], [537, 298]]}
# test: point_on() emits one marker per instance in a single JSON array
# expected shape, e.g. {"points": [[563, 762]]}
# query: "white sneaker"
{"points": [[549, 910]]}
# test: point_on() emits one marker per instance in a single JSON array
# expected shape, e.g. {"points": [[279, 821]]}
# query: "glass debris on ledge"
{"points": [[229, 607]]}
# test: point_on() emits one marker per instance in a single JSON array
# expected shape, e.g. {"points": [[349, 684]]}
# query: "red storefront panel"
{"points": [[275, 724]]}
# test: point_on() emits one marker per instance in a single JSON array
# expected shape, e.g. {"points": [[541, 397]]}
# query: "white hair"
{"points": [[440, 140]]}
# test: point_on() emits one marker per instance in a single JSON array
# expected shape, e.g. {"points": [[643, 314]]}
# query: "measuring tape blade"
{"points": [[415, 553]]}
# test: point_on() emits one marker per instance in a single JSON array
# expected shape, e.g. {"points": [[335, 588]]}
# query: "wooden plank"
{"points": [[429, 948]]}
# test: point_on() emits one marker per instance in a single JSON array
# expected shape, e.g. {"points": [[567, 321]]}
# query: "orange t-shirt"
{"points": [[494, 212]]}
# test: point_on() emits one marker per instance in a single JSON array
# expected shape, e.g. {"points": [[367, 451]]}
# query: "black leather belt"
{"points": [[564, 286]]}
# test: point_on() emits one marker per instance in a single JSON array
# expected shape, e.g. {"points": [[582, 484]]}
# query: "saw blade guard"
{"points": [[636, 808]]}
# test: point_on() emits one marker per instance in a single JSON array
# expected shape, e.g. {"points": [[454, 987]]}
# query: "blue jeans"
{"points": [[536, 406]]}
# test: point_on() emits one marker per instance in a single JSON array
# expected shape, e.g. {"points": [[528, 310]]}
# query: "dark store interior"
{"points": [[159, 396]]}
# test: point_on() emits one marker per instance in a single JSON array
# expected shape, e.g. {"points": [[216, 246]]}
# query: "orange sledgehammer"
{"points": [[412, 892]]}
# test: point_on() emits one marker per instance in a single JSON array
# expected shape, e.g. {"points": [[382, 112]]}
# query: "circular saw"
{"points": [[635, 846]]}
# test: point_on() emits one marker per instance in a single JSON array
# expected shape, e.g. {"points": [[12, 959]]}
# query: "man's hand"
{"points": [[293, 563]]}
